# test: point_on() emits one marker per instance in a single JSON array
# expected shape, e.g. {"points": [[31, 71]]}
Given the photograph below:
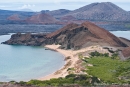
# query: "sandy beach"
{"points": [[62, 72], [71, 62]]}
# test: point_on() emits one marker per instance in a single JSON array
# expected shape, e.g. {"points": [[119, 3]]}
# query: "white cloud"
{"points": [[27, 6]]}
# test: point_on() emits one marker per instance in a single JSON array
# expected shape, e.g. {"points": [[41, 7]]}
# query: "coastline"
{"points": [[62, 72], [71, 62]]}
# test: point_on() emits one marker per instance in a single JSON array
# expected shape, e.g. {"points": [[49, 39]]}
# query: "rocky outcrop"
{"points": [[71, 36], [79, 36], [126, 53], [124, 40], [26, 39]]}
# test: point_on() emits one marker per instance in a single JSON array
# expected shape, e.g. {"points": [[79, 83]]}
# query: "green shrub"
{"points": [[107, 69], [96, 54], [22, 83]]}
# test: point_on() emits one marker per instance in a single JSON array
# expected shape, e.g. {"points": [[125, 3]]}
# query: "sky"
{"points": [[38, 5]]}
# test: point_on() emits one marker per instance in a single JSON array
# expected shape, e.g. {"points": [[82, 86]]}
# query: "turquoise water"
{"points": [[22, 63], [125, 34]]}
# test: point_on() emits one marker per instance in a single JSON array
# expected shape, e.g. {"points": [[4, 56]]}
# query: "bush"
{"points": [[106, 54], [96, 54], [12, 82], [70, 69], [93, 54], [114, 56], [22, 83]]}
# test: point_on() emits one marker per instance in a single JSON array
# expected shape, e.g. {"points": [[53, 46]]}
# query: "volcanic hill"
{"points": [[71, 36], [57, 13], [104, 11], [41, 18], [14, 17], [101, 11]]}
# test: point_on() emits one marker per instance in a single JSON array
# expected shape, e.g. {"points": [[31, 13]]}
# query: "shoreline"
{"points": [[71, 58], [62, 72]]}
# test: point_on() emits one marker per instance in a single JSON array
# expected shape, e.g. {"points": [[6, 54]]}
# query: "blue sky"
{"points": [[38, 5]]}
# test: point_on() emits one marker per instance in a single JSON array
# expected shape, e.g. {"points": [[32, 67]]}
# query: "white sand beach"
{"points": [[73, 55]]}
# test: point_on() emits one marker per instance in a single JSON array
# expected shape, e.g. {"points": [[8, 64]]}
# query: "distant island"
{"points": [[106, 15]]}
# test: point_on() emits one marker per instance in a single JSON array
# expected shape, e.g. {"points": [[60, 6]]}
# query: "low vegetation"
{"points": [[109, 69], [69, 80]]}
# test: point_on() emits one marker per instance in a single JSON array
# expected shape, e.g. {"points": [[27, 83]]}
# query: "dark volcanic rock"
{"points": [[71, 36], [124, 40], [126, 52], [26, 39]]}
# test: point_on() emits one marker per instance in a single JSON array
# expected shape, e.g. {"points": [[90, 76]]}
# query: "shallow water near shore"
{"points": [[23, 63]]}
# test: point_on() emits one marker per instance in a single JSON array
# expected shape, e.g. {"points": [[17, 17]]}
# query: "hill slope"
{"points": [[101, 11], [126, 52], [5, 14], [58, 13], [41, 18], [14, 17], [105, 11], [71, 36], [79, 36]]}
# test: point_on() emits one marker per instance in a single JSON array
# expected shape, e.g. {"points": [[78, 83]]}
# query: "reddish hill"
{"points": [[72, 36], [126, 52], [41, 18], [86, 34], [14, 17], [103, 34], [67, 27]]}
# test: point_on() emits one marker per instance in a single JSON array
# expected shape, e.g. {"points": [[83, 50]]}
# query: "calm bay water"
{"points": [[22, 63], [125, 34]]}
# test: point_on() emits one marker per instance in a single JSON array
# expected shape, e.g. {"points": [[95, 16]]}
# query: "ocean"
{"points": [[23, 63], [125, 34]]}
